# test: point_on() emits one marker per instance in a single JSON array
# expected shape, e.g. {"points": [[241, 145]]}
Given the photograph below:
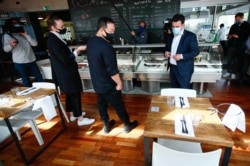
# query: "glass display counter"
{"points": [[147, 64]]}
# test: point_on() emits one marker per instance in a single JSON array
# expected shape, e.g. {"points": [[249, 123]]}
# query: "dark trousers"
{"points": [[24, 69], [114, 98], [233, 60], [177, 80], [74, 104], [224, 47], [244, 66]]}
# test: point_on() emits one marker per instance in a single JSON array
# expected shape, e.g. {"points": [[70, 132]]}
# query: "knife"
{"points": [[27, 90], [185, 124]]}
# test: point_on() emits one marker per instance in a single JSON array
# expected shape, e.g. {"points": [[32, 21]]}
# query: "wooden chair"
{"points": [[162, 156]]}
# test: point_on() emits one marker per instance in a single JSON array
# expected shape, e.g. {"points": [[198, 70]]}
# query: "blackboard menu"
{"points": [[85, 13]]}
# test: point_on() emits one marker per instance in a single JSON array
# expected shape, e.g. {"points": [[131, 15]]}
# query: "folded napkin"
{"points": [[179, 125], [27, 91], [3, 100], [181, 102], [47, 106], [235, 118]]}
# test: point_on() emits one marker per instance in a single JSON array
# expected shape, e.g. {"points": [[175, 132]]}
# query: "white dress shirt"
{"points": [[174, 46]]}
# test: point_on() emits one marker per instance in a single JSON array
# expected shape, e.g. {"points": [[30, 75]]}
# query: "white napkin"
{"points": [[46, 104], [3, 100], [27, 91], [235, 118], [178, 102], [178, 125]]}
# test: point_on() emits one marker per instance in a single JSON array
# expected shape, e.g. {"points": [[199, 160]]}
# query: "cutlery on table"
{"points": [[26, 91], [182, 99], [181, 102], [182, 126], [185, 124]]}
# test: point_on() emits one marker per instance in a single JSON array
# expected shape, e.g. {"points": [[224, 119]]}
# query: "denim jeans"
{"points": [[26, 69]]}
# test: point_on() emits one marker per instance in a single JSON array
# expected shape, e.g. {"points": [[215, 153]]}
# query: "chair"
{"points": [[45, 69], [162, 156], [16, 125], [184, 146], [178, 92], [50, 85]]}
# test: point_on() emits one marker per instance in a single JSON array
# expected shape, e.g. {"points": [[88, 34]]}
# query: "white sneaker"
{"points": [[226, 74], [233, 76], [85, 121], [72, 118]]}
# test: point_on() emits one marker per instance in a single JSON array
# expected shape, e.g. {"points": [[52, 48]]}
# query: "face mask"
{"points": [[62, 31], [141, 29], [109, 36], [176, 31], [17, 25], [238, 22]]}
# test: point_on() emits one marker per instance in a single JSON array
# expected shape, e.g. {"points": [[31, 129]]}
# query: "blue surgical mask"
{"points": [[176, 31], [141, 29]]}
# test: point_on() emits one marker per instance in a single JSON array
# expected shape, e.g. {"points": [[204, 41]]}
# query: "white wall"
{"points": [[201, 3]]}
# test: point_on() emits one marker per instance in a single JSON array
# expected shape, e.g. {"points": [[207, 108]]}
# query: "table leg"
{"points": [[227, 155], [19, 148], [60, 110], [146, 152]]}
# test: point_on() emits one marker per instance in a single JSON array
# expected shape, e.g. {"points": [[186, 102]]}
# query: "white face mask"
{"points": [[176, 31]]}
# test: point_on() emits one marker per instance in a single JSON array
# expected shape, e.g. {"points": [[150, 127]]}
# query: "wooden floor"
{"points": [[89, 146]]}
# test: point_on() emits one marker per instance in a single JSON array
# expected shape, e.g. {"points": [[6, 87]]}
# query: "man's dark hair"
{"points": [[103, 21], [52, 21], [239, 15], [178, 17], [221, 25]]}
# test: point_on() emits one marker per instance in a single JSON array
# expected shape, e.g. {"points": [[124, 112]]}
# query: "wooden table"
{"points": [[7, 111], [161, 125]]}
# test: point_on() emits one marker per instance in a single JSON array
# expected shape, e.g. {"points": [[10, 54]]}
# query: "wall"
{"points": [[32, 5], [200, 3]]}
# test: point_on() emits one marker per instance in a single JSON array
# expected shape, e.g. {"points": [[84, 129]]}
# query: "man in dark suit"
{"points": [[65, 69], [181, 50]]}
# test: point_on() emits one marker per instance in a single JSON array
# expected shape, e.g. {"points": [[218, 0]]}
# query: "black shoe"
{"points": [[130, 126], [108, 126]]}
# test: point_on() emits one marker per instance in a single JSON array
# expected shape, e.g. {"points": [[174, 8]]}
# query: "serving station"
{"points": [[146, 63]]}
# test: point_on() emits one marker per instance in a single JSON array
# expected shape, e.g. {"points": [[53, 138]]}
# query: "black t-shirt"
{"points": [[102, 64]]}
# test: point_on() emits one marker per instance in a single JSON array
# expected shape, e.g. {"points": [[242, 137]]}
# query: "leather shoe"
{"points": [[108, 126], [130, 126]]}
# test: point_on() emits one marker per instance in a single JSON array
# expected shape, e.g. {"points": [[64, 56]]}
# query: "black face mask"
{"points": [[109, 36], [62, 31]]}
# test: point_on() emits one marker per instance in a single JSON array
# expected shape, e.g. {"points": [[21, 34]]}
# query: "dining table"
{"points": [[160, 123], [20, 102]]}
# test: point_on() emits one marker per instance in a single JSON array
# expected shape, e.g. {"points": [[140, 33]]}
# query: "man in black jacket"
{"points": [[105, 75], [65, 70], [237, 37]]}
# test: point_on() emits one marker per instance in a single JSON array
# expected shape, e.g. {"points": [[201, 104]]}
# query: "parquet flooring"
{"points": [[89, 146]]}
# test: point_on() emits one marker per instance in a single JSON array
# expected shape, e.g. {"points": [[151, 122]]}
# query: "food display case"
{"points": [[152, 67], [147, 64]]}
